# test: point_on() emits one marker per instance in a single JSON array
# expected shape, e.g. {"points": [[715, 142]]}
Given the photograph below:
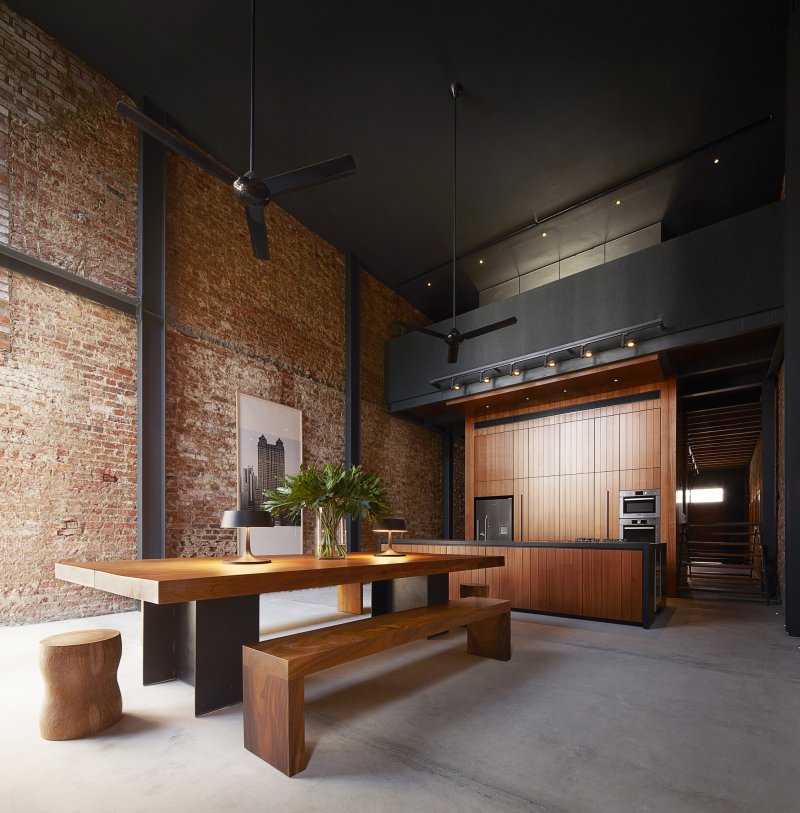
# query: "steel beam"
{"points": [[352, 379], [151, 346], [792, 327]]}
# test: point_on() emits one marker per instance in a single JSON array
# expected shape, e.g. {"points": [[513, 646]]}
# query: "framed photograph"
{"points": [[270, 445]]}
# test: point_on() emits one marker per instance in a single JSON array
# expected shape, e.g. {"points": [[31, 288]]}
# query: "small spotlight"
{"points": [[716, 160], [544, 234], [480, 262], [454, 385], [429, 284], [616, 381], [565, 390], [527, 398], [515, 370], [486, 378], [587, 353], [630, 343], [551, 363], [618, 202]]}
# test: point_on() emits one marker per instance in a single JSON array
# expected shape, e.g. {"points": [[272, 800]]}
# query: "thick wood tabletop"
{"points": [[166, 581]]}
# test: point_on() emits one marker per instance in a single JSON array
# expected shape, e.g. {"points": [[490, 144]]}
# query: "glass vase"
{"points": [[330, 541]]}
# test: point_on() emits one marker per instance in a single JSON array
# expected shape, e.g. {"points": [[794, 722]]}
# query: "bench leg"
{"points": [[490, 638], [274, 719], [350, 598]]}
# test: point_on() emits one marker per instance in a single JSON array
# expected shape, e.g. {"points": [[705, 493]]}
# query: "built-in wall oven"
{"points": [[640, 504], [640, 515], [633, 529]]}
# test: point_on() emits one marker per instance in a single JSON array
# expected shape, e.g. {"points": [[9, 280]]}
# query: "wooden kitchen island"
{"points": [[605, 581]]}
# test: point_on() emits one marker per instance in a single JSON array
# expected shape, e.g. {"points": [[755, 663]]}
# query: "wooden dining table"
{"points": [[197, 613]]}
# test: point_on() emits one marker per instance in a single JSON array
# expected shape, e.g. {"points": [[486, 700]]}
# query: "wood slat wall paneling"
{"points": [[566, 462], [668, 460]]}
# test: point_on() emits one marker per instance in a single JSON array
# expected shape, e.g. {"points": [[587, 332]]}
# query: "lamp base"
{"points": [[390, 551], [248, 559]]}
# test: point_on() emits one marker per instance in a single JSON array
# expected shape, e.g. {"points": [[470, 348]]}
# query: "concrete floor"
{"points": [[700, 713]]}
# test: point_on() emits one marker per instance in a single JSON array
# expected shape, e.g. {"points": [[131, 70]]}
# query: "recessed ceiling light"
{"points": [[527, 398], [487, 406], [716, 160], [551, 363], [486, 377], [480, 262], [544, 234], [455, 385], [565, 390], [630, 343], [618, 202], [429, 284], [587, 354], [616, 380], [515, 370]]}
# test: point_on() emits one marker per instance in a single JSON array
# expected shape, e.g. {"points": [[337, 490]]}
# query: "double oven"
{"points": [[640, 515]]}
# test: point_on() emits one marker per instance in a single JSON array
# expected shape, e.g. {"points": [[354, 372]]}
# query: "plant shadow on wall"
{"points": [[332, 492]]}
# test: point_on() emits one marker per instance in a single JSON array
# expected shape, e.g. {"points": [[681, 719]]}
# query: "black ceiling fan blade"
{"points": [[258, 231], [479, 331], [452, 352], [419, 329], [311, 175], [168, 139]]}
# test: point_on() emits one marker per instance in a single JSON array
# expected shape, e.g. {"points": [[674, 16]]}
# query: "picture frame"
{"points": [[269, 445]]}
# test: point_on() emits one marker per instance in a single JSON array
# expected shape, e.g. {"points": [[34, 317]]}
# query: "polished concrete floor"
{"points": [[700, 713]]}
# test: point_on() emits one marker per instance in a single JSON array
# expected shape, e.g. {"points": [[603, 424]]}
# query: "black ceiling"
{"points": [[561, 100]]}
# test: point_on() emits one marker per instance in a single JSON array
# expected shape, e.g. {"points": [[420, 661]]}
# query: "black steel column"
{"points": [[447, 484], [792, 326], [151, 346], [768, 493], [352, 379]]}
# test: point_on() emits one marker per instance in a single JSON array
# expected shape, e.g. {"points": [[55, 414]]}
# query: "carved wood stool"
{"points": [[467, 590], [82, 696]]}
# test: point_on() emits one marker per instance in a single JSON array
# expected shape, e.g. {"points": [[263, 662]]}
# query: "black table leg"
{"points": [[200, 642], [392, 595]]}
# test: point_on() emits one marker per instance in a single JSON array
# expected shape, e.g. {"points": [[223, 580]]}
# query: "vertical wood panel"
{"points": [[668, 479]]}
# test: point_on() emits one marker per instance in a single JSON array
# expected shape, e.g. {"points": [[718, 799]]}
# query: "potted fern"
{"points": [[332, 492]]}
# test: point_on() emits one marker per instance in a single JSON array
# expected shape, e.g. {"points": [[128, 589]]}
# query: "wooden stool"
{"points": [[467, 590], [82, 696]]}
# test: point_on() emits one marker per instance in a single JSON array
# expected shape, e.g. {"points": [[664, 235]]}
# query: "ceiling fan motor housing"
{"points": [[251, 190]]}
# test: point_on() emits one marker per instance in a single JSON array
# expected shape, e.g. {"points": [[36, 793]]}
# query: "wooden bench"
{"points": [[274, 715]]}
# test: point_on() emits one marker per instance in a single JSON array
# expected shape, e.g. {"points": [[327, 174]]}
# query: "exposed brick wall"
{"points": [[274, 330], [459, 488], [67, 450], [5, 314], [67, 366], [67, 383], [70, 161], [406, 456]]}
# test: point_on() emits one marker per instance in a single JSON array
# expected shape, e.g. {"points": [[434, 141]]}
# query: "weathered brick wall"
{"points": [[459, 488], [67, 450], [68, 159], [67, 366], [406, 456], [270, 329]]}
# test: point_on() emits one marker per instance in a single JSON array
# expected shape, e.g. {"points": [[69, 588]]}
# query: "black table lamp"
{"points": [[247, 518], [390, 526]]}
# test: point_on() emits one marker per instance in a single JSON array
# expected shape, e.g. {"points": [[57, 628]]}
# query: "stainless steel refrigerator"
{"points": [[494, 519]]}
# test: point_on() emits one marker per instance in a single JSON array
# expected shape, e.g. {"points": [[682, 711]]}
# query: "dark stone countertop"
{"points": [[620, 545]]}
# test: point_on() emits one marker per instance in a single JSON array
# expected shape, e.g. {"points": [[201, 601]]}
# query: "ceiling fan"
{"points": [[254, 192], [455, 338]]}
